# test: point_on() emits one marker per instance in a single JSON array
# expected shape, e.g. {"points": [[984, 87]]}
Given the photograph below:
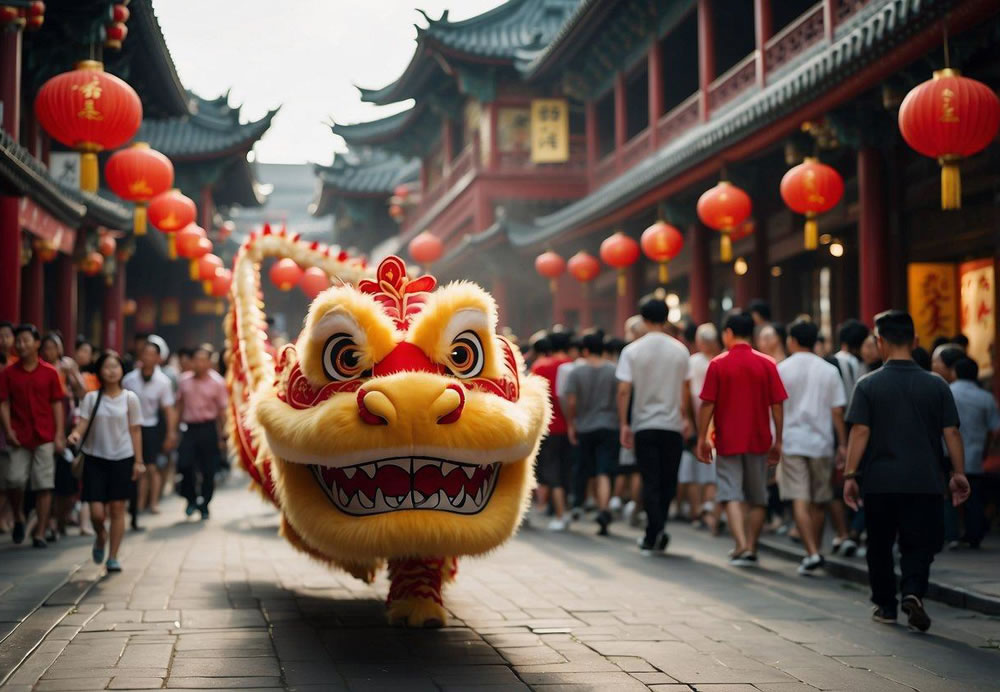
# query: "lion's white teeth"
{"points": [[469, 470], [433, 501], [369, 470], [342, 496], [350, 471], [447, 468], [479, 497], [418, 497], [459, 499], [365, 501]]}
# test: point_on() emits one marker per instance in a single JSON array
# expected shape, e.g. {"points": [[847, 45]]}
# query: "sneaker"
{"points": [[51, 536], [662, 541], [884, 615], [556, 525], [603, 521], [39, 543], [190, 510], [919, 621], [835, 547], [811, 564], [645, 549], [204, 512], [18, 533], [615, 504], [113, 565], [739, 560], [748, 559], [97, 552], [628, 513], [848, 547]]}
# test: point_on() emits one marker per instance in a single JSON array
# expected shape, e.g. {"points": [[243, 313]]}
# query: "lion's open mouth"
{"points": [[391, 485]]}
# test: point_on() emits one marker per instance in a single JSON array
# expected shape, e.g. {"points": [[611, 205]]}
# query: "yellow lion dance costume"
{"points": [[399, 429]]}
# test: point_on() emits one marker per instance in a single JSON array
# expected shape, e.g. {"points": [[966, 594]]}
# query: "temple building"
{"points": [[551, 124]]}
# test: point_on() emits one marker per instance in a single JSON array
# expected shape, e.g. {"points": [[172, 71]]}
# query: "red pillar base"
{"points": [[10, 260], [873, 235], [699, 277]]}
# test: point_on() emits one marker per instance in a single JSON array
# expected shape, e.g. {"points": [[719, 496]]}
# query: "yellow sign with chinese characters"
{"points": [[933, 292], [549, 131]]}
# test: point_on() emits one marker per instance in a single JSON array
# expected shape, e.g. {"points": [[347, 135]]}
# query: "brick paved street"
{"points": [[228, 604]]}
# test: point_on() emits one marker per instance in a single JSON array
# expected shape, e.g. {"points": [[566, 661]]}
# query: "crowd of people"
{"points": [[88, 437], [753, 426]]}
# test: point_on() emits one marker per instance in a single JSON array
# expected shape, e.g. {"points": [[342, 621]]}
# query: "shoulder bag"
{"points": [[78, 452]]}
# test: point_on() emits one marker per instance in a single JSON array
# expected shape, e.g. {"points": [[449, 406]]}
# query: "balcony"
{"points": [[733, 82], [795, 38]]}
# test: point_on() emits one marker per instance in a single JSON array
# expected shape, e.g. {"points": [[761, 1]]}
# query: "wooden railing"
{"points": [[679, 119], [794, 38], [605, 170], [845, 8], [637, 148], [733, 82]]}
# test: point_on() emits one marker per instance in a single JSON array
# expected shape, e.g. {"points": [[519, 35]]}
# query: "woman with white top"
{"points": [[112, 451]]}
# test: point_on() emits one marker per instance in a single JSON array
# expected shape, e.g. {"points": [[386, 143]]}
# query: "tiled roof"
{"points": [[212, 129], [862, 39], [376, 130], [21, 171], [101, 209], [499, 35], [374, 175]]}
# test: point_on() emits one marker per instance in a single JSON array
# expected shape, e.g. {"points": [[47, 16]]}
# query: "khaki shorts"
{"points": [[742, 478], [39, 464], [806, 478]]}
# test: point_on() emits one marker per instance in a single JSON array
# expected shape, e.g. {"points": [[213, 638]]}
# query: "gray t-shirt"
{"points": [[594, 387], [656, 365]]}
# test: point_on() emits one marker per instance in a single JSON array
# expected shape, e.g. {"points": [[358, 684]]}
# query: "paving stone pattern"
{"points": [[227, 604]]}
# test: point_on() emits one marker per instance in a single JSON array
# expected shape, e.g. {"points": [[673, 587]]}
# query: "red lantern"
{"points": [[551, 266], [396, 212], [201, 248], [92, 264], [187, 240], [120, 13], [724, 208], [620, 251], [584, 267], [661, 242], [948, 118], [36, 15], [170, 212], [285, 274], [138, 174], [45, 250], [811, 188], [89, 110], [401, 191], [221, 282], [313, 282], [10, 15], [208, 265], [426, 248], [106, 244], [129, 307], [115, 35]]}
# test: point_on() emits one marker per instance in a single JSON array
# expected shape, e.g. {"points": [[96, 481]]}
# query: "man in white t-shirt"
{"points": [[813, 411], [651, 373], [698, 479]]}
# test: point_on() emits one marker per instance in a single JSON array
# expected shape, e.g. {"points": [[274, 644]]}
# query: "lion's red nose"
{"points": [[406, 357]]}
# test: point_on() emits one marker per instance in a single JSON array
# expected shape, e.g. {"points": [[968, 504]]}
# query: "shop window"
{"points": [[734, 33], [636, 103], [606, 124], [679, 53]]}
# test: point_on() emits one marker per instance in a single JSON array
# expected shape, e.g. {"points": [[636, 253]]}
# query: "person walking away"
{"points": [[31, 411], [700, 478], [109, 433], [895, 468], [202, 401], [554, 466], [852, 335], [156, 397], [741, 388], [592, 420], [979, 421], [651, 374], [813, 411]]}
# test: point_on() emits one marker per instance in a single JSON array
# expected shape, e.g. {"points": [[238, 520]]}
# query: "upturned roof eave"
{"points": [[27, 175]]}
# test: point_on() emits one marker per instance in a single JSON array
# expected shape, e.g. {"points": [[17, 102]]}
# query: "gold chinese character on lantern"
{"points": [[88, 112], [90, 90], [140, 188], [948, 114], [549, 131]]}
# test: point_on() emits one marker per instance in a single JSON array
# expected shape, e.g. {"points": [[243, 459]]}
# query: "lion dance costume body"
{"points": [[399, 429]]}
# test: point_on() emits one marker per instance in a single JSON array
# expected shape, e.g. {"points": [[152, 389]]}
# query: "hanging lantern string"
{"points": [[944, 32]]}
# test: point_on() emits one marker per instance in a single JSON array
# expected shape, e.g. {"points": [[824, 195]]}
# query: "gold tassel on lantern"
{"points": [[726, 247], [193, 270], [206, 286], [664, 273], [88, 171], [951, 183], [622, 283], [811, 232], [139, 219]]}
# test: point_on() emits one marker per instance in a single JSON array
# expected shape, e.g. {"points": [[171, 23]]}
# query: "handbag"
{"points": [[77, 467]]}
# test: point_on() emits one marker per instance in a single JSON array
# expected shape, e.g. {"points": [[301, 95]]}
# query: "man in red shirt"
{"points": [[31, 411], [554, 464], [742, 387]]}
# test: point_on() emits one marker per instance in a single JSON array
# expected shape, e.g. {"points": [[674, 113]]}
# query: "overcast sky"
{"points": [[304, 55]]}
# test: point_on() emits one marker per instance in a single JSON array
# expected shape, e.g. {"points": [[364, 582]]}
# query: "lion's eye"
{"points": [[342, 359], [466, 357]]}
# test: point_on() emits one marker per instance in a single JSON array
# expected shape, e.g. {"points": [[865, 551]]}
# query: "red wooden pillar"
{"points": [[742, 290], [706, 54], [762, 33], [626, 303], [873, 234], [10, 227], [590, 125], [33, 292], [621, 113], [113, 334], [64, 300], [654, 61], [828, 20], [760, 269], [699, 277], [207, 207]]}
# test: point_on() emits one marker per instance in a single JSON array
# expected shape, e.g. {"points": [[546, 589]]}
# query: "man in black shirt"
{"points": [[899, 414]]}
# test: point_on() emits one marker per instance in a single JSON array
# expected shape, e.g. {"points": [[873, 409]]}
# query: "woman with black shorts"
{"points": [[112, 449]]}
